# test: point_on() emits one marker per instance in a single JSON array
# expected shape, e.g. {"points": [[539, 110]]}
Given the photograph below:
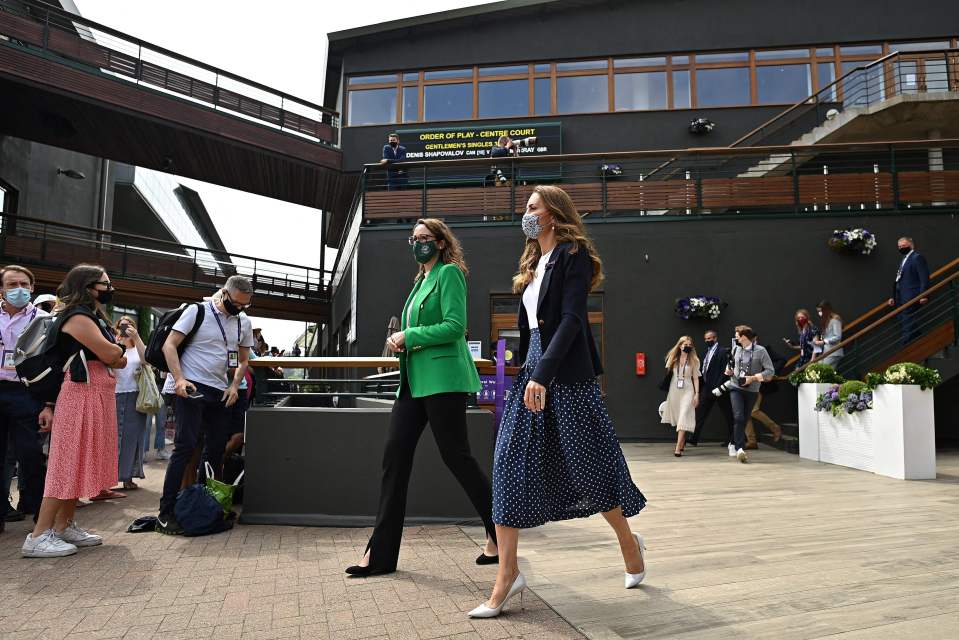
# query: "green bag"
{"points": [[222, 491]]}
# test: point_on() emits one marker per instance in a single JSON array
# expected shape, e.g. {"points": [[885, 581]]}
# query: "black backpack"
{"points": [[154, 351], [40, 364]]}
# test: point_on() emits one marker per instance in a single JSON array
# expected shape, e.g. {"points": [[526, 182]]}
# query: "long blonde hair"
{"points": [[568, 226], [452, 253], [672, 357]]}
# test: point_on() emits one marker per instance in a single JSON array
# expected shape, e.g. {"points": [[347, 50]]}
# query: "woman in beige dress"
{"points": [[683, 396]]}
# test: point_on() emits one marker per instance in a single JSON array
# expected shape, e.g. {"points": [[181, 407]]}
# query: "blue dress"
{"points": [[564, 462]]}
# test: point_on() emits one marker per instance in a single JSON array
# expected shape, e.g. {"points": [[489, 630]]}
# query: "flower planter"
{"points": [[896, 438]]}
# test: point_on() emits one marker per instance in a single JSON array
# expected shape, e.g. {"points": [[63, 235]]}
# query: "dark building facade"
{"points": [[630, 76]]}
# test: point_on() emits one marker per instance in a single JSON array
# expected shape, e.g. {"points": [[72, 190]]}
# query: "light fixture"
{"points": [[71, 173]]}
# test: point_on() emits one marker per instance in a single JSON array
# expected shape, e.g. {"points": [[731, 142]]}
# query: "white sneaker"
{"points": [[74, 535], [741, 455], [163, 454], [46, 545], [732, 451]]}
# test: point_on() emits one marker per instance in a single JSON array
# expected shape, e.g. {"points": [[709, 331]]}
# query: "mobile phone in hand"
{"points": [[123, 329]]}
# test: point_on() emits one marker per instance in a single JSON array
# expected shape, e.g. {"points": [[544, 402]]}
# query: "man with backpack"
{"points": [[19, 410], [206, 352]]}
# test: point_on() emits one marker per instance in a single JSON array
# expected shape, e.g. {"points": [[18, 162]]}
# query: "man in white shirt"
{"points": [[206, 379], [19, 411]]}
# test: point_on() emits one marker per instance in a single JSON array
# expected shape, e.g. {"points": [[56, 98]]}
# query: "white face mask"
{"points": [[820, 314]]}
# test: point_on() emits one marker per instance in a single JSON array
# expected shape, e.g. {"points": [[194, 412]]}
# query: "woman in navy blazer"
{"points": [[557, 456]]}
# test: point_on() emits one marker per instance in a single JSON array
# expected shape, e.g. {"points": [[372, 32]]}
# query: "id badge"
{"points": [[680, 383], [743, 373], [232, 359], [8, 361]]}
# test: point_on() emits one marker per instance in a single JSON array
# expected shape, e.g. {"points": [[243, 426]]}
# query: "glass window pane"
{"points": [[541, 68], [824, 53], [919, 46], [722, 87], [865, 86], [390, 77], [740, 56], [411, 77], [659, 61], [826, 75], [580, 66], [411, 104], [680, 60], [582, 94], [783, 83], [372, 106], [681, 89], [782, 54], [503, 98], [542, 97], [448, 73], [448, 101], [871, 49], [504, 71], [640, 91]]}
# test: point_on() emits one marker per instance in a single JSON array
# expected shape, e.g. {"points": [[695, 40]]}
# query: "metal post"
{"points": [[895, 178], [699, 191], [792, 159], [605, 193]]}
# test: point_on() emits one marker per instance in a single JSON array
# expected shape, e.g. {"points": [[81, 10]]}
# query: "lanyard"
{"points": [[682, 376], [746, 365], [216, 316], [32, 316]]}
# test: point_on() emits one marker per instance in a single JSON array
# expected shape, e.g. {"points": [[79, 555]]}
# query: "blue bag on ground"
{"points": [[199, 513]]}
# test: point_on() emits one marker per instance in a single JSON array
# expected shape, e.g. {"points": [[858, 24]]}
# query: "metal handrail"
{"points": [[47, 11]]}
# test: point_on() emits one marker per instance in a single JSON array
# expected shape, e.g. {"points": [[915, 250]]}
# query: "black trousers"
{"points": [[18, 419], [743, 402], [706, 403], [446, 414]]}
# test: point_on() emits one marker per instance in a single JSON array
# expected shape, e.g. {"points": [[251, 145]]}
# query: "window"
{"points": [[411, 77], [680, 60], [681, 89], [504, 71], [722, 87], [782, 54], [583, 65], [541, 68], [372, 106], [411, 104], [503, 98], [626, 63], [918, 46], [783, 83], [448, 74], [448, 101], [739, 56], [640, 91], [582, 94], [826, 75], [864, 86], [867, 50], [381, 79], [542, 96]]}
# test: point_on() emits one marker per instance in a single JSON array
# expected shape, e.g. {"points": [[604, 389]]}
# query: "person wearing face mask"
{"points": [[912, 280], [83, 420], [713, 375], [807, 333], [437, 374], [557, 455], [205, 376], [131, 423], [683, 396], [830, 326], [749, 367], [19, 411], [46, 302], [394, 153]]}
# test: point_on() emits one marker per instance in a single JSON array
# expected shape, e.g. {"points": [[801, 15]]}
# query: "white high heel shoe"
{"points": [[482, 611], [633, 579]]}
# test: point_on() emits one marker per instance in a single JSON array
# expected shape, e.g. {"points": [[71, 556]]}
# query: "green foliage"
{"points": [[873, 380], [912, 373], [816, 373], [852, 387]]}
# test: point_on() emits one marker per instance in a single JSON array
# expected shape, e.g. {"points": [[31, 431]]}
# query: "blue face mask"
{"points": [[18, 297], [531, 226]]}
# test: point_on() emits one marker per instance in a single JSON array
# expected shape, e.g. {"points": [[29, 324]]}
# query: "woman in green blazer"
{"points": [[436, 375]]}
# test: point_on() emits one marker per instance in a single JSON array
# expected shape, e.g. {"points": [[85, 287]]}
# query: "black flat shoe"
{"points": [[678, 454], [485, 559], [362, 572]]}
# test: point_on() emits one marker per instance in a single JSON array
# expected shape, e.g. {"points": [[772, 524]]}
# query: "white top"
{"points": [[531, 295], [126, 380], [204, 360]]}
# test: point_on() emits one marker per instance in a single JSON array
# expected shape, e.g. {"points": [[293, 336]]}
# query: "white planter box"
{"points": [[896, 438]]}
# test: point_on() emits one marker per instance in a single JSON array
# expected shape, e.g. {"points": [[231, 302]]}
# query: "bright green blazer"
{"points": [[437, 359]]}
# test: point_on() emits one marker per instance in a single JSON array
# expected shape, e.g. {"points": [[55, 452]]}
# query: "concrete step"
{"points": [[788, 443]]}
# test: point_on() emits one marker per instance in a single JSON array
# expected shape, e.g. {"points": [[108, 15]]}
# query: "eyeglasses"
{"points": [[106, 283], [420, 239], [241, 307]]}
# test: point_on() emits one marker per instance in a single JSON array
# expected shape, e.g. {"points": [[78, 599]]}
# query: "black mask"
{"points": [[231, 307], [710, 344], [104, 297], [394, 143], [905, 250], [687, 349]]}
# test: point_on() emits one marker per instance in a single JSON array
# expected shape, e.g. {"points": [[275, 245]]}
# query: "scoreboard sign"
{"points": [[453, 143]]}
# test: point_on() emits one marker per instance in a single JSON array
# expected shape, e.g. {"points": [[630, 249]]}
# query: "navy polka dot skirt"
{"points": [[564, 462]]}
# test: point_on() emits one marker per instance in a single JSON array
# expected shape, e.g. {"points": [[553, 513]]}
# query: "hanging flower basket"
{"points": [[852, 241], [705, 307]]}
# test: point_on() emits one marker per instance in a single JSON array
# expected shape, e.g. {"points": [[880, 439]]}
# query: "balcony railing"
{"points": [[53, 32], [785, 180], [50, 244]]}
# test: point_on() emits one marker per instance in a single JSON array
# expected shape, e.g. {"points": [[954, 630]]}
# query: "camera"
{"points": [[723, 388], [525, 142]]}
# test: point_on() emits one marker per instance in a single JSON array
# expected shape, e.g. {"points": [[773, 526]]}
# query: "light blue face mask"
{"points": [[18, 297]]}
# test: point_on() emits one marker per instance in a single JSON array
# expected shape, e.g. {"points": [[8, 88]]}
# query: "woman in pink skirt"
{"points": [[83, 440]]}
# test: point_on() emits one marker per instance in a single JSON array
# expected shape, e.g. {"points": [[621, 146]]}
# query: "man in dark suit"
{"points": [[912, 279], [394, 153], [713, 371]]}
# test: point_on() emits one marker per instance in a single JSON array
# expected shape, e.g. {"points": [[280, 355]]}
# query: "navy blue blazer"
{"points": [[914, 279], [569, 351], [396, 155]]}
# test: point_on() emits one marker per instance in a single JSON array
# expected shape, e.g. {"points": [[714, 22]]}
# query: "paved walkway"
{"points": [[779, 548]]}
